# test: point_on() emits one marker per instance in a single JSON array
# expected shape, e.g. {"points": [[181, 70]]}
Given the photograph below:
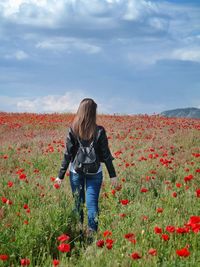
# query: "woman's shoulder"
{"points": [[70, 133], [70, 130], [101, 132], [100, 128]]}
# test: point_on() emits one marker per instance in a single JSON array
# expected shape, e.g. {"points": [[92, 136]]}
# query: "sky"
{"points": [[130, 56]]}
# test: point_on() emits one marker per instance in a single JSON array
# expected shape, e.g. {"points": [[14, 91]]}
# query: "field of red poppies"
{"points": [[151, 219]]}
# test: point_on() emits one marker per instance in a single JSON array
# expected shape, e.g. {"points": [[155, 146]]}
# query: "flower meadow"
{"points": [[151, 219]]}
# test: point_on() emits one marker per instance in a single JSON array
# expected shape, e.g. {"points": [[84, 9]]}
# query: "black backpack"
{"points": [[86, 160]]}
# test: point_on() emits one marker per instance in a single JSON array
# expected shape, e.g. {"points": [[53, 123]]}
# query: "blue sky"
{"points": [[131, 56]]}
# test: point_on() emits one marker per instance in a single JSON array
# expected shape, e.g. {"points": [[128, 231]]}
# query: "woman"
{"points": [[85, 129]]}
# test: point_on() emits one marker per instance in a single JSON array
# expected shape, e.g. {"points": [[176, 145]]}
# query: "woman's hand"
{"points": [[114, 181], [58, 181]]}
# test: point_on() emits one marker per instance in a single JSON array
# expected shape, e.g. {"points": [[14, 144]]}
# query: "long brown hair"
{"points": [[84, 123]]}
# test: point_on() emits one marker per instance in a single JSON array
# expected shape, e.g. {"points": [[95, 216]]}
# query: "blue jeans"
{"points": [[91, 184]]}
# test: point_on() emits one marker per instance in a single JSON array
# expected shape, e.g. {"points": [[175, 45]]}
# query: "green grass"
{"points": [[51, 210]]}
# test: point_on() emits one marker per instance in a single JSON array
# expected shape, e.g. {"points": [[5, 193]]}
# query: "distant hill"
{"points": [[182, 112]]}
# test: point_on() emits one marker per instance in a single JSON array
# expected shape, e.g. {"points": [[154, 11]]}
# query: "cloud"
{"points": [[53, 13], [52, 103], [68, 44], [164, 52], [85, 15], [159, 23], [135, 10], [34, 12], [187, 54], [18, 55], [69, 102], [46, 104]]}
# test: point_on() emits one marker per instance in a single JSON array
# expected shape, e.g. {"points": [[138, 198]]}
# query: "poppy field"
{"points": [[152, 218]]}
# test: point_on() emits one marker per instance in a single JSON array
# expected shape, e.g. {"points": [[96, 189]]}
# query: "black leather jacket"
{"points": [[101, 147]]}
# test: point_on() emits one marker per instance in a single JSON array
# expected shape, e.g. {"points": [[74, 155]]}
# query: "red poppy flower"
{"points": [[62, 238], [25, 206], [57, 186], [152, 252], [25, 262], [184, 252], [170, 229], [198, 193], [135, 256], [22, 176], [20, 171], [109, 243], [100, 243], [182, 230], [4, 257], [174, 194], [64, 247], [4, 199], [194, 223], [56, 262], [113, 191], [129, 236], [194, 220], [165, 237], [159, 210], [109, 240], [124, 201], [144, 190], [10, 183], [188, 178], [157, 230], [107, 233]]}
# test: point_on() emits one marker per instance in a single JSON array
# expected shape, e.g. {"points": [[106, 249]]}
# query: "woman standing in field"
{"points": [[84, 132]]}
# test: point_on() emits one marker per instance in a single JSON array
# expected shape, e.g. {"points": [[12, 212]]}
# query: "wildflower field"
{"points": [[151, 219]]}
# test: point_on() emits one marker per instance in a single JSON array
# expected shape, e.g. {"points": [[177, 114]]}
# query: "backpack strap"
{"points": [[94, 138], [80, 144], [92, 143]]}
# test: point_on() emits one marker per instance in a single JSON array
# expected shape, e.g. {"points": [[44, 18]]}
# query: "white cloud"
{"points": [[150, 57], [67, 44], [34, 12], [45, 104], [69, 102], [101, 13], [135, 9], [159, 23], [187, 54], [53, 13], [19, 55], [52, 103], [12, 7]]}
